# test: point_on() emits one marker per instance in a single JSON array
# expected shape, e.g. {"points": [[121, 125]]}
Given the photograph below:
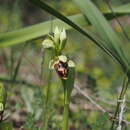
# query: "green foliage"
{"points": [[36, 31], [102, 122], [6, 126], [111, 40], [95, 72], [30, 123], [33, 100]]}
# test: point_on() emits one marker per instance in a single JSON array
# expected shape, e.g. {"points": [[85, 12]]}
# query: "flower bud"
{"points": [[63, 35], [63, 39], [57, 35], [48, 44]]}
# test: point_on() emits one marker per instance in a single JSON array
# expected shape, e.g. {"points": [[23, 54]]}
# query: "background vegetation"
{"points": [[24, 67]]}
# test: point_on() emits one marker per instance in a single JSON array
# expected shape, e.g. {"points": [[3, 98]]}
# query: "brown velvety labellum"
{"points": [[62, 69]]}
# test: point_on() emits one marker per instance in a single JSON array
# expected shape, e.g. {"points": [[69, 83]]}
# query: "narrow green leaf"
{"points": [[118, 11], [35, 31], [104, 30], [122, 9], [41, 29]]}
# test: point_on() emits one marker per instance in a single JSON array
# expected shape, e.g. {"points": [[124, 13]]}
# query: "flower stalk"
{"points": [[64, 67], [68, 87]]}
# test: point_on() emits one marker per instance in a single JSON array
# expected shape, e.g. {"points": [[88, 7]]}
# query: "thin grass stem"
{"points": [[122, 93], [47, 101]]}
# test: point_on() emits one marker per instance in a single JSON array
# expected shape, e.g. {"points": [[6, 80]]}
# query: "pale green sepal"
{"points": [[71, 63], [48, 44], [62, 58], [51, 64]]}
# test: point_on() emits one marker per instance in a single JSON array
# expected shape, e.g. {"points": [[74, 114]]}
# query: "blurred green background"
{"points": [[96, 74]]}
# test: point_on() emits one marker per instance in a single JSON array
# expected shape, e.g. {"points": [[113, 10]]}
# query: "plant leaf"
{"points": [[122, 9], [35, 31], [105, 31], [41, 29]]}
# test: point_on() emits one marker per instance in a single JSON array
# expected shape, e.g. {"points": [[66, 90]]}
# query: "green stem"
{"points": [[46, 108], [66, 109], [47, 100], [68, 87], [122, 93]]}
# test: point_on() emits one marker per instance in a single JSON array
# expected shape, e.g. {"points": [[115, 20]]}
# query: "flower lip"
{"points": [[62, 69]]}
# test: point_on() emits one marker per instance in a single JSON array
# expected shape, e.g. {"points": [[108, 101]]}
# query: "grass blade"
{"points": [[41, 29], [121, 10], [35, 31], [105, 31]]}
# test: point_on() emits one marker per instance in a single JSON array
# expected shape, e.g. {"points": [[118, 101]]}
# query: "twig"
{"points": [[90, 99], [97, 105], [111, 102]]}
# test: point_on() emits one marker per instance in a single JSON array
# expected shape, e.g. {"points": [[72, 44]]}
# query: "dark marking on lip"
{"points": [[62, 69]]}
